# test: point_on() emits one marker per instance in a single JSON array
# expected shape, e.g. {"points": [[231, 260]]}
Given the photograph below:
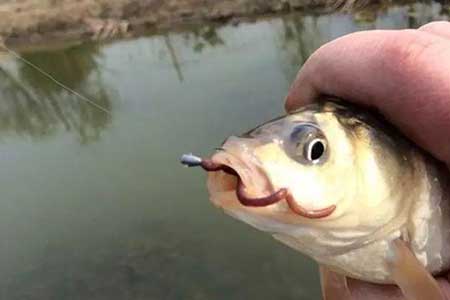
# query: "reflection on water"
{"points": [[34, 106], [197, 38], [203, 36], [112, 215]]}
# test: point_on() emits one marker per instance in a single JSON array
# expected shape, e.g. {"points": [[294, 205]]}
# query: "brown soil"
{"points": [[38, 21]]}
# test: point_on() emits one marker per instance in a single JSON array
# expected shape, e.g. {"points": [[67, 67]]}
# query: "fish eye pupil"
{"points": [[316, 150]]}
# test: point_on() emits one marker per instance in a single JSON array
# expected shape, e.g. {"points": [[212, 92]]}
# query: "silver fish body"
{"points": [[369, 184]]}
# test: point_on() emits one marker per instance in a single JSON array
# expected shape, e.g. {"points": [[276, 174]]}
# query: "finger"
{"points": [[404, 74], [445, 287], [334, 286], [369, 291], [439, 28]]}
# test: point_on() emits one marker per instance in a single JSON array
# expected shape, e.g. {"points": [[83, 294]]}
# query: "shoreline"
{"points": [[39, 22]]}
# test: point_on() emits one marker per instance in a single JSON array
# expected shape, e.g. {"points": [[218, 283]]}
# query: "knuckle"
{"points": [[436, 26]]}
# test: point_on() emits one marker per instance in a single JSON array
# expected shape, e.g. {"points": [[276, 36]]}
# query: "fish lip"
{"points": [[228, 164], [214, 164]]}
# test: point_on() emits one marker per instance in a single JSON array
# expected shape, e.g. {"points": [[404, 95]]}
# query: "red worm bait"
{"points": [[210, 166], [311, 214]]}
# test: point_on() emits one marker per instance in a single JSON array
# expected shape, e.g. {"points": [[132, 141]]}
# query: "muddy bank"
{"points": [[39, 21]]}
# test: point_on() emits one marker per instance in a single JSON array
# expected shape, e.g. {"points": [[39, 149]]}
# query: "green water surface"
{"points": [[96, 205]]}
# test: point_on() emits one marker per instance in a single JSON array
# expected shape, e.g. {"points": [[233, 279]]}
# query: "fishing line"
{"points": [[53, 79]]}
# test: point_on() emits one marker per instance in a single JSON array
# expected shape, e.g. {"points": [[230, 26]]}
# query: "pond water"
{"points": [[96, 206]]}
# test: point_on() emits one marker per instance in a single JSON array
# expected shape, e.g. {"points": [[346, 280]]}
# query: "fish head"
{"points": [[332, 168]]}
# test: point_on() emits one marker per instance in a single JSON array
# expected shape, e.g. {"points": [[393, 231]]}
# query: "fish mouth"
{"points": [[231, 177]]}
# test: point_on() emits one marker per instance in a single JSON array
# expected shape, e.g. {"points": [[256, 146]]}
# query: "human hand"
{"points": [[405, 75]]}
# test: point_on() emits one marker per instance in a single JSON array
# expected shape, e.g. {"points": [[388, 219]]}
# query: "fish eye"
{"points": [[307, 144]]}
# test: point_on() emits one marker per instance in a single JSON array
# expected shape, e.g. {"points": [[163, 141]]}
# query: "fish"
{"points": [[337, 183]]}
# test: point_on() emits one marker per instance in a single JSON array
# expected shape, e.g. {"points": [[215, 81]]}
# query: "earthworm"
{"points": [[210, 166]]}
